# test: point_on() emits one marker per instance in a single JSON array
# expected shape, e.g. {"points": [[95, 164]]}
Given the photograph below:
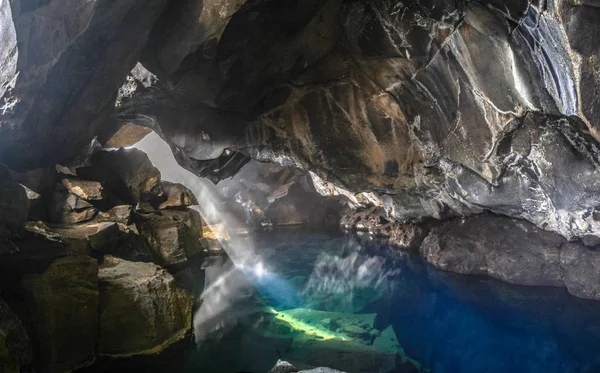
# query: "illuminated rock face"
{"points": [[443, 108]]}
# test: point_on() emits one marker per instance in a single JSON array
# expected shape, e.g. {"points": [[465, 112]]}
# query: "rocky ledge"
{"points": [[514, 251]]}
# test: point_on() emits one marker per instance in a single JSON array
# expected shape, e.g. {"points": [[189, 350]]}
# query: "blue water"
{"points": [[449, 323]]}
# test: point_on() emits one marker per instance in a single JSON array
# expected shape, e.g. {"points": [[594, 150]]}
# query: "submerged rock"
{"points": [[142, 309], [313, 341], [514, 251]]}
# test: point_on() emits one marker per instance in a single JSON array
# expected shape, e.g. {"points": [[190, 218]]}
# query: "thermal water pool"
{"points": [[362, 306]]}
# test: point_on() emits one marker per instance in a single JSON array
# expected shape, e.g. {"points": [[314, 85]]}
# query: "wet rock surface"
{"points": [[15, 346], [375, 222], [513, 251]]}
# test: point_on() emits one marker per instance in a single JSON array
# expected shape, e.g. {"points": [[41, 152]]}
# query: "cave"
{"points": [[318, 186]]}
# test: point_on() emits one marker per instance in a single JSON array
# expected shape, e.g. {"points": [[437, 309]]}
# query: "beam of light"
{"points": [[259, 270], [222, 290], [240, 249]]}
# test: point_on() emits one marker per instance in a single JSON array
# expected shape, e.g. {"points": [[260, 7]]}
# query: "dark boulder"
{"points": [[176, 195], [127, 174], [15, 346], [14, 206], [54, 291]]}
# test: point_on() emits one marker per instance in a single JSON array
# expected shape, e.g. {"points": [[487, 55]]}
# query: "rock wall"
{"points": [[267, 195], [443, 109], [61, 63]]}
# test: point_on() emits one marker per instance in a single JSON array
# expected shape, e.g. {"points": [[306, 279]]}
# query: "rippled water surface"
{"points": [[361, 306]]}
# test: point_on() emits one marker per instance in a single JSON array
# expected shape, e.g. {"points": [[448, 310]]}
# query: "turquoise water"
{"points": [[328, 299]]}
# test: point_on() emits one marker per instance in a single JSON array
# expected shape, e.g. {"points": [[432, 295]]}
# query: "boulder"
{"points": [[514, 251], [84, 189], [15, 346], [142, 309], [176, 195], [66, 208], [64, 310], [119, 214], [72, 201], [128, 174], [172, 236]]}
